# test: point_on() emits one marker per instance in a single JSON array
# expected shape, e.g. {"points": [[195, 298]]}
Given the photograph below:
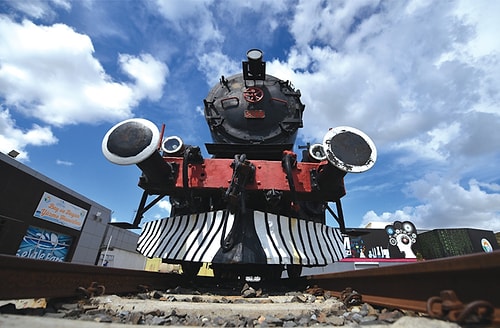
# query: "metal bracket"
{"points": [[350, 297], [143, 208], [339, 216], [452, 309], [243, 173], [93, 290]]}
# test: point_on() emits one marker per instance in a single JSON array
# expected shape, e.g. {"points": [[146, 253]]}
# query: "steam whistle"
{"points": [[135, 141]]}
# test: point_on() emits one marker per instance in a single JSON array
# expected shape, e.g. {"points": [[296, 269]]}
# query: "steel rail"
{"points": [[410, 286], [29, 278]]}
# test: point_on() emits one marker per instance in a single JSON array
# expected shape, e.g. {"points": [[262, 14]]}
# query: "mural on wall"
{"points": [[403, 235], [373, 245], [44, 244], [440, 243], [396, 241]]}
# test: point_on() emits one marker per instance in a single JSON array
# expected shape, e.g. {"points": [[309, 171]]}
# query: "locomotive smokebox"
{"points": [[253, 113]]}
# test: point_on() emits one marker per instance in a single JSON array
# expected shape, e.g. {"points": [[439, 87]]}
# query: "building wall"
{"points": [[119, 258], [440, 243], [21, 192], [92, 236], [118, 249]]}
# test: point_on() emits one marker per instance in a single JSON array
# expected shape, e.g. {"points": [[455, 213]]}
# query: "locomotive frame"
{"points": [[267, 209]]}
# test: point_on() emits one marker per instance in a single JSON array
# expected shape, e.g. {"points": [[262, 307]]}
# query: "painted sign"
{"points": [[396, 241], [440, 243], [57, 210], [403, 235], [486, 245], [43, 244]]}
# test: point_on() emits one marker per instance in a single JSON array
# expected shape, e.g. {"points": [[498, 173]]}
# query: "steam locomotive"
{"points": [[252, 208]]}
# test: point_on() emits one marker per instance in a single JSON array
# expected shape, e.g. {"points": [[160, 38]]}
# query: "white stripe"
{"points": [[313, 246], [144, 233], [275, 233], [340, 244], [212, 242], [206, 231], [325, 257], [319, 241], [287, 241], [336, 246], [329, 251], [160, 239], [195, 238], [171, 223], [298, 253], [272, 255], [308, 252], [284, 250], [183, 244], [151, 243], [175, 236]]}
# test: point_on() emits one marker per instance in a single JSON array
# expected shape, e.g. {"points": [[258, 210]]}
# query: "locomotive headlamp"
{"points": [[254, 54], [317, 152], [130, 141], [172, 145], [254, 68], [349, 149]]}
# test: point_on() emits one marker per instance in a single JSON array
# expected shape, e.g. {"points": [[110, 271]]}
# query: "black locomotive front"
{"points": [[252, 208]]}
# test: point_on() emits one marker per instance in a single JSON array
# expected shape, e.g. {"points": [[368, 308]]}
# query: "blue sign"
{"points": [[43, 244]]}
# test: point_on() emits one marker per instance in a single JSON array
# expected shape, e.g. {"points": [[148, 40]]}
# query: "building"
{"points": [[42, 219], [118, 249], [440, 243]]}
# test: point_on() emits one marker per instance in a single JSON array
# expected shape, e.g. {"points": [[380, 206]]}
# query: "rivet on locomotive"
{"points": [[251, 209]]}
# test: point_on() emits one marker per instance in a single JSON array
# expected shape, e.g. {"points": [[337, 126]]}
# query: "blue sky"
{"points": [[421, 78]]}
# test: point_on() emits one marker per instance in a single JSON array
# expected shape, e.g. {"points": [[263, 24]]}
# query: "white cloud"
{"points": [[49, 72], [215, 64], [487, 40], [433, 145], [40, 8], [381, 69], [178, 12], [14, 138], [64, 163], [194, 18], [332, 23], [165, 205], [448, 204], [148, 73], [422, 79]]}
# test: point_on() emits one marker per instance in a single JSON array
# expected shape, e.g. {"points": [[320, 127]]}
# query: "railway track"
{"points": [[28, 278], [443, 287], [451, 288]]}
